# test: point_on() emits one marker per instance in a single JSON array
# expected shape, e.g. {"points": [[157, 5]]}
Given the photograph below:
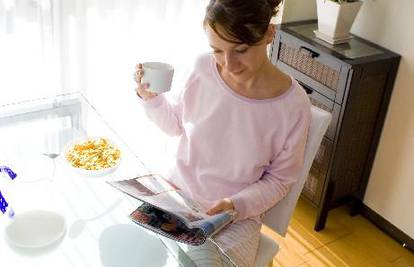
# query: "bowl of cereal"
{"points": [[95, 156]]}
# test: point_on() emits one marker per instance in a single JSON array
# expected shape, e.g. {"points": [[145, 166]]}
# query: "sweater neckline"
{"points": [[227, 88]]}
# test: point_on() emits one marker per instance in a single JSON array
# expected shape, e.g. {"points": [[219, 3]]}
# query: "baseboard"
{"points": [[388, 227]]}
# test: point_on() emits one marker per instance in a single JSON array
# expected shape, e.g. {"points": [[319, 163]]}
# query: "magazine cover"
{"points": [[168, 211]]}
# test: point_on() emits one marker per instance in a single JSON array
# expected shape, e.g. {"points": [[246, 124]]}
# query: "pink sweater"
{"points": [[232, 146]]}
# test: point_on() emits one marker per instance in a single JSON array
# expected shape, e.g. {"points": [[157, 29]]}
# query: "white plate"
{"points": [[96, 173], [35, 229]]}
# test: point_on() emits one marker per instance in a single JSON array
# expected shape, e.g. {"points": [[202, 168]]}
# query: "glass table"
{"points": [[98, 231]]}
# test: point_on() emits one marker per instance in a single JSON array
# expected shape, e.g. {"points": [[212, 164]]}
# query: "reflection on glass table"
{"points": [[63, 217]]}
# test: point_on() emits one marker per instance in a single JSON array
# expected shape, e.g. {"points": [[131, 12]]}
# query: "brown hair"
{"points": [[241, 21]]}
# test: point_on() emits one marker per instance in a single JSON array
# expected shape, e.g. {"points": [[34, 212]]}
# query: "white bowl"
{"points": [[95, 173], [35, 229]]}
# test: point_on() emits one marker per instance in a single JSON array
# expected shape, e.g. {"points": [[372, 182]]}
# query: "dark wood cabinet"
{"points": [[352, 81]]}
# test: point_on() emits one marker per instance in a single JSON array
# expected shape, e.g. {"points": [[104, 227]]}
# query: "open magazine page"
{"points": [[159, 192], [167, 210], [169, 225]]}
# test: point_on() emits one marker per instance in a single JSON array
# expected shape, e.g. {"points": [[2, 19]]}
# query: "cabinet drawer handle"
{"points": [[312, 53]]}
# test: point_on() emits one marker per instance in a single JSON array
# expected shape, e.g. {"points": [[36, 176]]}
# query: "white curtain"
{"points": [[52, 46], [28, 55], [48, 47]]}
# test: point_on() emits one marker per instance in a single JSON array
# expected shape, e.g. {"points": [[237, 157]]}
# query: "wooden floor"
{"points": [[346, 241]]}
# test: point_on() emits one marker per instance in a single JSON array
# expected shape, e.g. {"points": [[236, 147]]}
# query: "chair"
{"points": [[278, 217]]}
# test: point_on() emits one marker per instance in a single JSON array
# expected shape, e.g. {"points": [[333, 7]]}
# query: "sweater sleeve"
{"points": [[166, 115], [282, 172]]}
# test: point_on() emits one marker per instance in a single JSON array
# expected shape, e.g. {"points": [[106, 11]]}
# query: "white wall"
{"points": [[294, 10], [390, 190]]}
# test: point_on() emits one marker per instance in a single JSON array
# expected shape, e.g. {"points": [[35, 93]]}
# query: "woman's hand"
{"points": [[222, 205], [141, 90]]}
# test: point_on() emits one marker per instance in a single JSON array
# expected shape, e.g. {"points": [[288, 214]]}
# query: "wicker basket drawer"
{"points": [[326, 104], [320, 71], [311, 186]]}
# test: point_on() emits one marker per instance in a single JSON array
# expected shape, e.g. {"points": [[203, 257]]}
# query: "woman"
{"points": [[242, 125]]}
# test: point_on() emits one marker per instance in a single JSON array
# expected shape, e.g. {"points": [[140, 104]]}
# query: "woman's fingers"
{"points": [[215, 209], [139, 72], [138, 76], [224, 204], [151, 94], [143, 87], [142, 91]]}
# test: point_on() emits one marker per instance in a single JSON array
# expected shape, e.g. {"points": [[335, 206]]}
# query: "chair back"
{"points": [[278, 217]]}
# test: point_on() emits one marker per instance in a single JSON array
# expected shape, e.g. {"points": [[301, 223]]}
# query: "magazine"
{"points": [[168, 211]]}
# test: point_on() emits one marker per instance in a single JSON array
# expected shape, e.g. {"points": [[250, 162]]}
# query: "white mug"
{"points": [[159, 76]]}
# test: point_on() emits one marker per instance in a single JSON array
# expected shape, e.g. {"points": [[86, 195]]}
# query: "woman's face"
{"points": [[238, 61]]}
